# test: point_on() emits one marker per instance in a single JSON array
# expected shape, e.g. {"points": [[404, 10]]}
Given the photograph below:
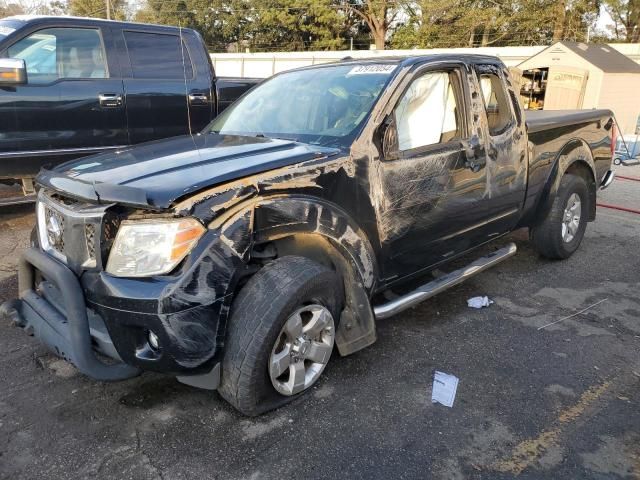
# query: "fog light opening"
{"points": [[153, 340]]}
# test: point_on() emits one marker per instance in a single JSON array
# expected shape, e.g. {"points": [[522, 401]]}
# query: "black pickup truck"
{"points": [[237, 258], [70, 87]]}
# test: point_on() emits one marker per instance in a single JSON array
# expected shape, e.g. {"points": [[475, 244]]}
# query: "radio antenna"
{"points": [[184, 74]]}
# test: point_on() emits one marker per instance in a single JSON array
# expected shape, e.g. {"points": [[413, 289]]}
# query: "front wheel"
{"points": [[281, 334], [561, 232]]}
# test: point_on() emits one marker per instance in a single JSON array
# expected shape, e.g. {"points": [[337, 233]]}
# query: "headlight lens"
{"points": [[152, 247]]}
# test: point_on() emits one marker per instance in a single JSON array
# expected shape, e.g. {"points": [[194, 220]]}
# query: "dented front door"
{"points": [[434, 179]]}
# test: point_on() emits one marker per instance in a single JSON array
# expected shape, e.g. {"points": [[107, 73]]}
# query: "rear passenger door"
{"points": [[506, 149], [166, 94]]}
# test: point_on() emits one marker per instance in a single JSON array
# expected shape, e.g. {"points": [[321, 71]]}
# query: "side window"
{"points": [[496, 103], [173, 62], [58, 53], [428, 114]]}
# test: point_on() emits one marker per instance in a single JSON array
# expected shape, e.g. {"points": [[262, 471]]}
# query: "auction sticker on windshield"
{"points": [[6, 30], [372, 70]]}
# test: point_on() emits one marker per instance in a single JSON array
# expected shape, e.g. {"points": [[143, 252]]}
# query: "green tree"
{"points": [[32, 7], [267, 25], [379, 16], [10, 9], [98, 8], [626, 17], [298, 25], [460, 23]]}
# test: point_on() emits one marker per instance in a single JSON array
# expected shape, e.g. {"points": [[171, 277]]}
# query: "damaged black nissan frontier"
{"points": [[237, 258]]}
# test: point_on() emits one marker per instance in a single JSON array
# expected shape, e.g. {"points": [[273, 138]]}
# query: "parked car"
{"points": [[70, 87], [237, 258]]}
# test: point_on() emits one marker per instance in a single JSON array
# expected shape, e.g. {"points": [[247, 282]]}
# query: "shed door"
{"points": [[565, 88]]}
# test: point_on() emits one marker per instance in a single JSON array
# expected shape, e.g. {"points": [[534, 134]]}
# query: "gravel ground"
{"points": [[558, 402]]}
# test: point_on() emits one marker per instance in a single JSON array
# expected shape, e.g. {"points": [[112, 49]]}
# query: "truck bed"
{"points": [[539, 120]]}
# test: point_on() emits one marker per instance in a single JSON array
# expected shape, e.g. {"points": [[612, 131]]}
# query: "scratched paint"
{"points": [[386, 219]]}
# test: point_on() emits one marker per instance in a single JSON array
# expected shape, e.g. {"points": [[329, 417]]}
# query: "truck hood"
{"points": [[156, 174]]}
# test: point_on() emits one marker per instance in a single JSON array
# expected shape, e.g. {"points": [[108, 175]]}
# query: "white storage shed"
{"points": [[570, 75]]}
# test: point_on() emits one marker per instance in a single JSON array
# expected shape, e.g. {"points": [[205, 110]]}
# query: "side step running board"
{"points": [[440, 284]]}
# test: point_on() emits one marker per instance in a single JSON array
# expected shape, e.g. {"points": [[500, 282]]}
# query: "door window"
{"points": [[158, 56], [496, 103], [427, 113], [56, 53]]}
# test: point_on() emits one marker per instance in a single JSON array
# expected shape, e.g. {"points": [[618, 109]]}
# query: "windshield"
{"points": [[7, 27], [322, 106]]}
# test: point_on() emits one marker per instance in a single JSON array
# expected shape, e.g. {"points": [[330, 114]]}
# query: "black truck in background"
{"points": [[71, 87]]}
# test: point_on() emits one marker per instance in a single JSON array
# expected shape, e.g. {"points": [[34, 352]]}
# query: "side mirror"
{"points": [[390, 139], [13, 71]]}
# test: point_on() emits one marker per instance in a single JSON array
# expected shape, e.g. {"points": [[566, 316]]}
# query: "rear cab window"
{"points": [[167, 59], [496, 103]]}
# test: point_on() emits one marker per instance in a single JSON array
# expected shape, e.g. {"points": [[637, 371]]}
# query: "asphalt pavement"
{"points": [[534, 403]]}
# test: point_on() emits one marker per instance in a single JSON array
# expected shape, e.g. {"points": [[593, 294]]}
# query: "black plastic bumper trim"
{"points": [[69, 336]]}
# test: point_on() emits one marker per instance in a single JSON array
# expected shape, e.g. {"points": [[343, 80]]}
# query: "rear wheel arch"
{"points": [[581, 164], [574, 157]]}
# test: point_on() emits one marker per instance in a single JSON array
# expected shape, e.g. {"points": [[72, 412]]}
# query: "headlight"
{"points": [[152, 247]]}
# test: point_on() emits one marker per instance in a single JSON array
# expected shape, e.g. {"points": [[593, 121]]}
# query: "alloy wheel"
{"points": [[302, 349]]}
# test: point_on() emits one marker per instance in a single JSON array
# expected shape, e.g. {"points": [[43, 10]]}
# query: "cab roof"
{"points": [[411, 60], [62, 19]]}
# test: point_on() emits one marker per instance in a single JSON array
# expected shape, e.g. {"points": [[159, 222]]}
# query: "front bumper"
{"points": [[54, 311], [97, 315]]}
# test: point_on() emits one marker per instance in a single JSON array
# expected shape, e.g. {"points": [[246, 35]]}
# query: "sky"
{"points": [[604, 19]]}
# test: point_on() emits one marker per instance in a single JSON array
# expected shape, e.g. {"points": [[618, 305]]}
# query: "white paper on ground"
{"points": [[444, 389], [479, 302]]}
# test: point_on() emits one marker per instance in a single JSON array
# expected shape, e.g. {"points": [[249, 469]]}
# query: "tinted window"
{"points": [[427, 113], [496, 103], [156, 55], [321, 105], [57, 53]]}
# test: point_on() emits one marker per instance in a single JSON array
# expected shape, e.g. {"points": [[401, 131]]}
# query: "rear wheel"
{"points": [[561, 232], [280, 335]]}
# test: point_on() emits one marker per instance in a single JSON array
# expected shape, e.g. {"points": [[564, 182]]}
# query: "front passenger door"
{"points": [[72, 104], [432, 175]]}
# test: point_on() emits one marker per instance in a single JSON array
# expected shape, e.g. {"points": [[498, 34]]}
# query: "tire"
{"points": [[549, 238], [288, 287]]}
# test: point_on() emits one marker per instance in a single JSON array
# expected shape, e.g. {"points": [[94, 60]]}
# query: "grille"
{"points": [[63, 200], [70, 230], [90, 237], [110, 227]]}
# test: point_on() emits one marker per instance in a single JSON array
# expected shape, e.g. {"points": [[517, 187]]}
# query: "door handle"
{"points": [[198, 99], [110, 100], [474, 155]]}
